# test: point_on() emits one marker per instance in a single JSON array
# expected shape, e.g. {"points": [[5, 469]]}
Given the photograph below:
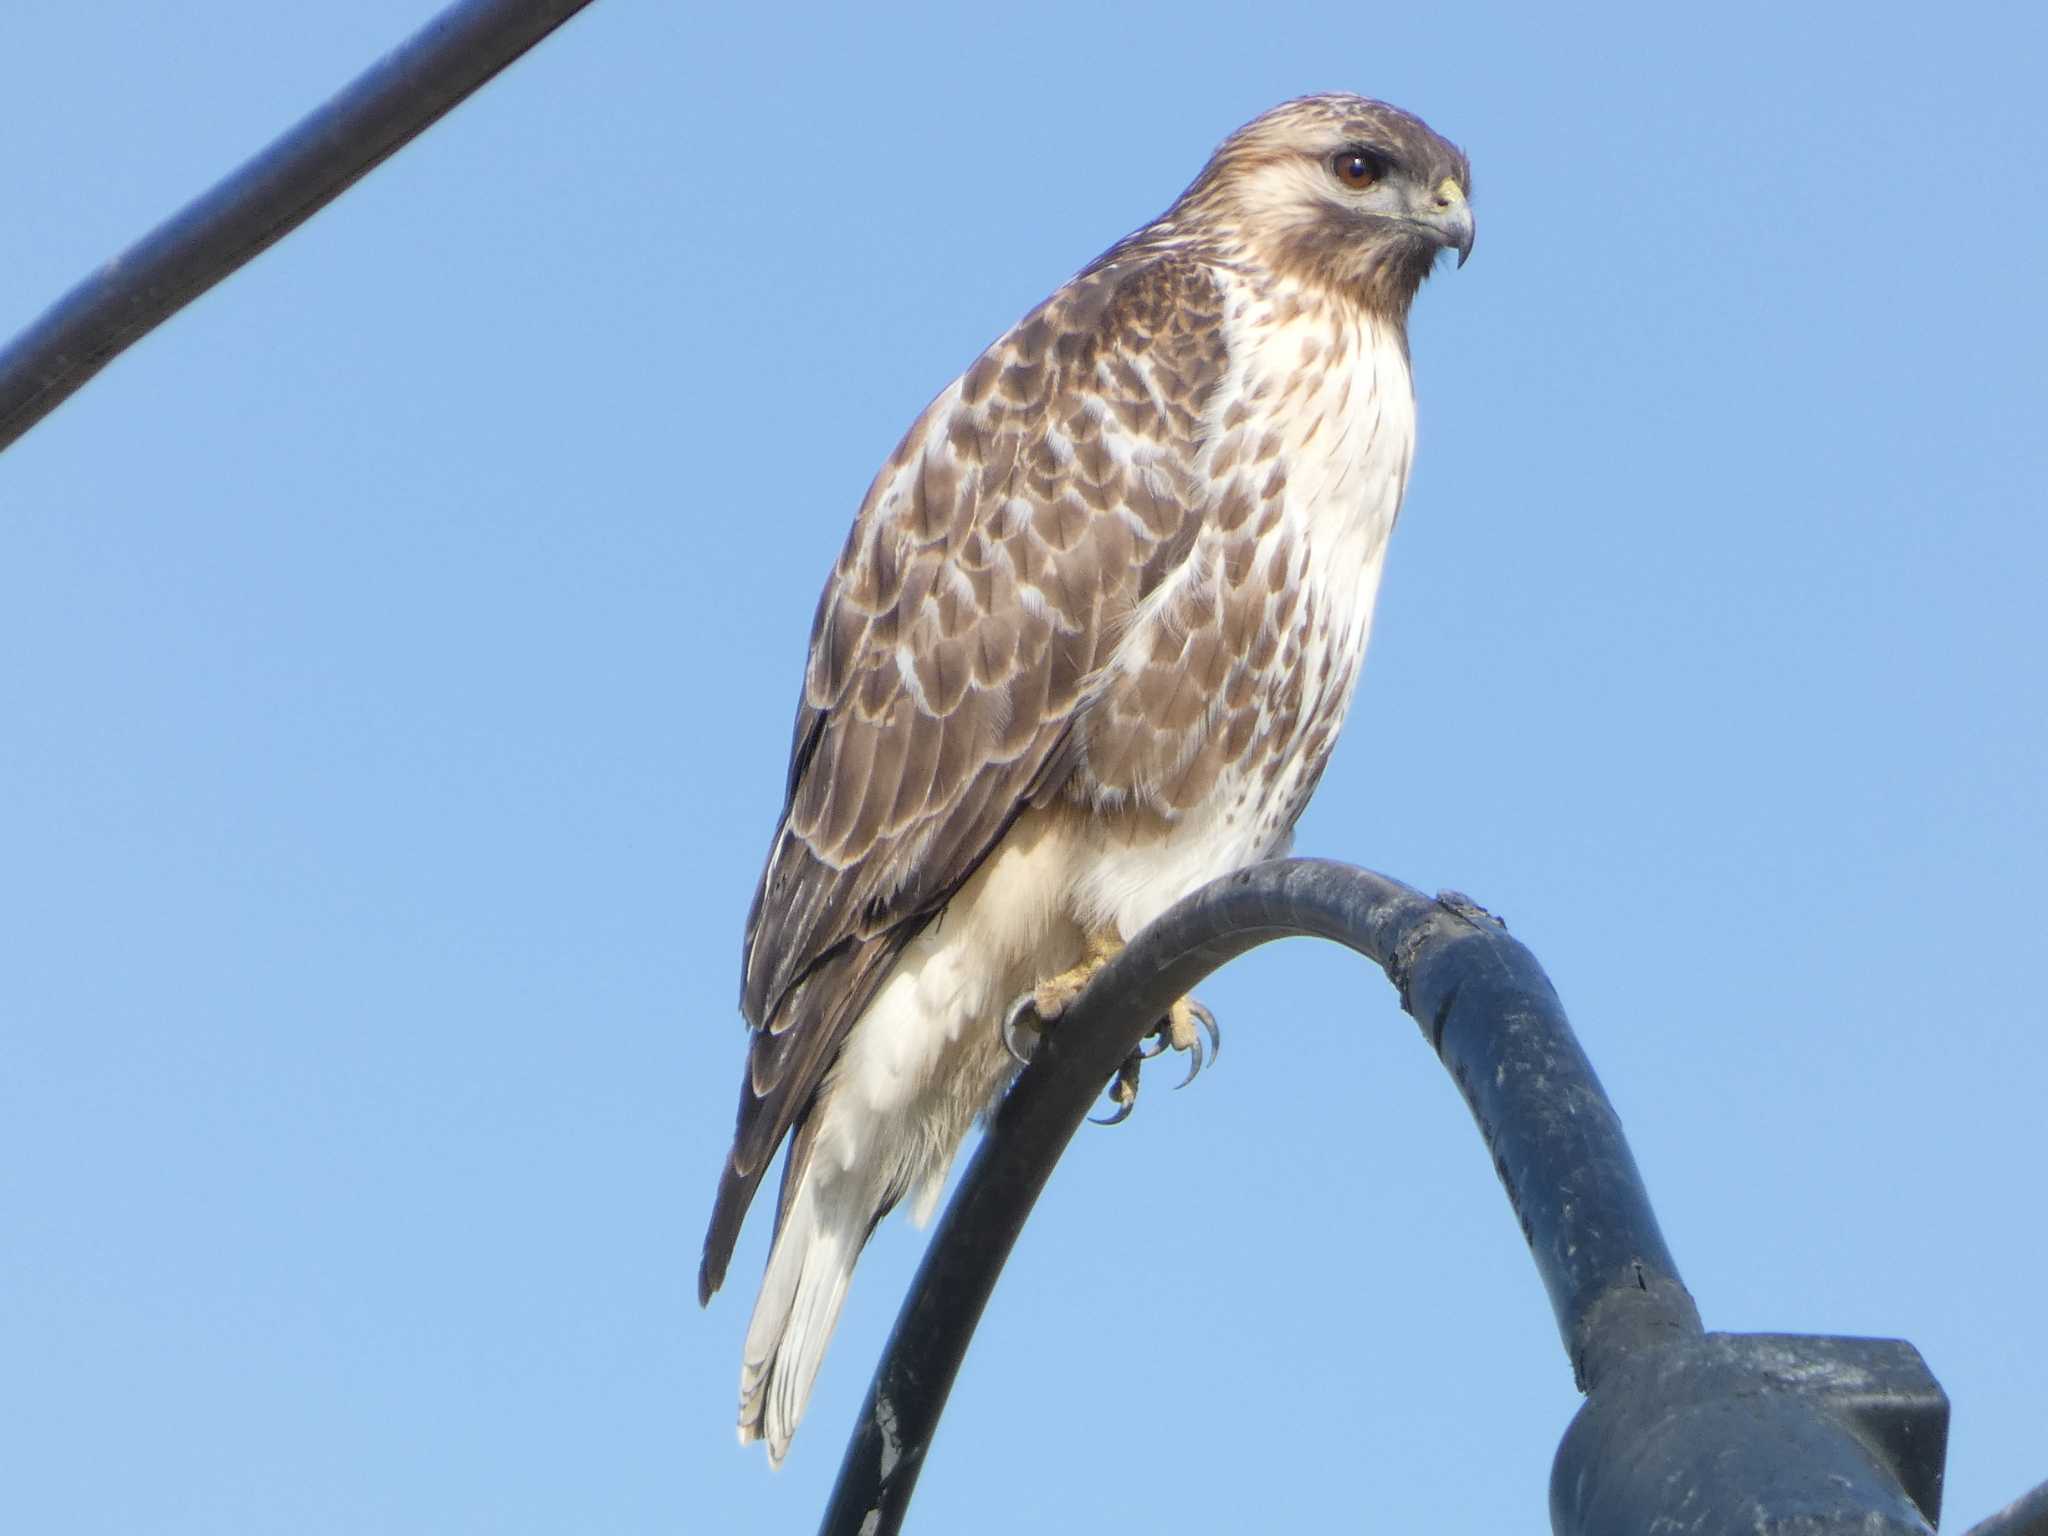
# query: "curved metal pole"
{"points": [[1494, 1019], [266, 199]]}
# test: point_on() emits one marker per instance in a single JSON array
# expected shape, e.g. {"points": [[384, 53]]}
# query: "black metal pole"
{"points": [[1766, 1435], [1493, 1017], [2025, 1516], [265, 200]]}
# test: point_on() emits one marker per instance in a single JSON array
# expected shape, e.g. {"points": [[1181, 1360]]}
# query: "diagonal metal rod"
{"points": [[1486, 1007], [266, 199], [2025, 1516]]}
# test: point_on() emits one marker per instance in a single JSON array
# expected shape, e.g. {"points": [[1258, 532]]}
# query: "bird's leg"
{"points": [[1052, 997], [1055, 995], [1181, 1029]]}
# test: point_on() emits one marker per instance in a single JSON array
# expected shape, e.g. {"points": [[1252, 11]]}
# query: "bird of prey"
{"points": [[1087, 647]]}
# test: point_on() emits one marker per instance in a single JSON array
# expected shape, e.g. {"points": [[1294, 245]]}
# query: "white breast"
{"points": [[1333, 384]]}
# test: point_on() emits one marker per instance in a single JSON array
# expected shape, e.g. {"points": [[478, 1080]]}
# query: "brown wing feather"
{"points": [[938, 698]]}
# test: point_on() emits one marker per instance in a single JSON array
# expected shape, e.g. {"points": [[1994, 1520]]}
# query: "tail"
{"points": [[822, 1231]]}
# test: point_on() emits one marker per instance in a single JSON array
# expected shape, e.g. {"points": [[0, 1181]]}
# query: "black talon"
{"points": [[1123, 1113], [1124, 1090], [1010, 1022]]}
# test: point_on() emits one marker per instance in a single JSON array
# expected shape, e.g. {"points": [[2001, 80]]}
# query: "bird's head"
{"points": [[1342, 192]]}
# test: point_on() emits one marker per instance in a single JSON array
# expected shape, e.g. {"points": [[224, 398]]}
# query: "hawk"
{"points": [[1087, 647]]}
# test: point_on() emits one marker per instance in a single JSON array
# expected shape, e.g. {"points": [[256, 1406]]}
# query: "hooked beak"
{"points": [[1448, 217]]}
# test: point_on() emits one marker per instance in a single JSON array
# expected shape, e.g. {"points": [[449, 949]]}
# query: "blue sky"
{"points": [[396, 654]]}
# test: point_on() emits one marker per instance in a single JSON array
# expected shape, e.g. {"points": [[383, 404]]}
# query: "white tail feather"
{"points": [[813, 1257]]}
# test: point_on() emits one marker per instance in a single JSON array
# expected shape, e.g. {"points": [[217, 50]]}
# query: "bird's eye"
{"points": [[1356, 168]]}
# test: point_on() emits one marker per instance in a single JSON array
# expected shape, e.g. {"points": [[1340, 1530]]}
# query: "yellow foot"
{"points": [[1053, 997], [1181, 1030]]}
